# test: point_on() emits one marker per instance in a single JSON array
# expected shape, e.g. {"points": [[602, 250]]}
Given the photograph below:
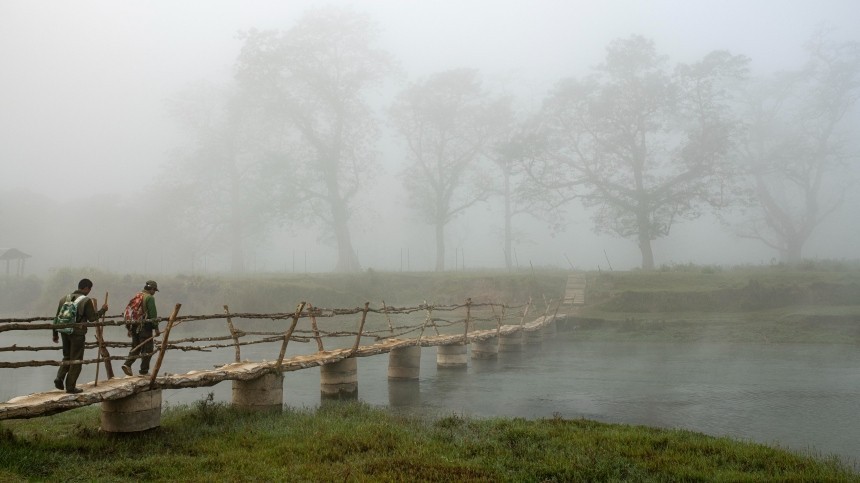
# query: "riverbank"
{"points": [[208, 441], [819, 304]]}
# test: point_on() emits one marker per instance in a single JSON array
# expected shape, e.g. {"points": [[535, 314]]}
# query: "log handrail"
{"points": [[239, 337]]}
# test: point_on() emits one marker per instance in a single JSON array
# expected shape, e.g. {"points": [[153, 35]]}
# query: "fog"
{"points": [[88, 142]]}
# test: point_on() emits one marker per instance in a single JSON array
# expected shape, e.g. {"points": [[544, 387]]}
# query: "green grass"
{"points": [[811, 304], [354, 442]]}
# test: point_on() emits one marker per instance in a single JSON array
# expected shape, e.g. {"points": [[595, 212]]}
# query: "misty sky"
{"points": [[83, 83]]}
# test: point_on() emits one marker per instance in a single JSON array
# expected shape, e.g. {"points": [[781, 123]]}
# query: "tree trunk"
{"points": [[647, 253], [508, 229], [237, 257], [440, 246], [347, 260], [792, 254]]}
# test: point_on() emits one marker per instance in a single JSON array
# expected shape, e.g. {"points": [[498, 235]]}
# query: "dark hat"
{"points": [[150, 284]]}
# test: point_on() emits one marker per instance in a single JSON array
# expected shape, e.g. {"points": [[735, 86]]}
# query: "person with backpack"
{"points": [[141, 321], [74, 308]]}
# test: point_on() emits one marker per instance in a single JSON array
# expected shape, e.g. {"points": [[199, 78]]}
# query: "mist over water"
{"points": [[798, 396]]}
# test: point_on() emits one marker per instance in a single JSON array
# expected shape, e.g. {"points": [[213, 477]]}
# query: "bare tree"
{"points": [[446, 121], [512, 146], [642, 144], [216, 184], [796, 147], [316, 76]]}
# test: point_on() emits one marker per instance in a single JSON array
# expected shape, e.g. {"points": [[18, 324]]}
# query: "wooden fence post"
{"points": [[360, 329], [315, 328], [525, 312], [468, 314], [427, 319], [499, 319], [163, 348], [387, 316], [288, 334], [233, 333], [103, 353]]}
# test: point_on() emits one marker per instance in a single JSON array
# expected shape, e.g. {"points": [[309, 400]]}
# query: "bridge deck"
{"points": [[46, 403], [574, 292]]}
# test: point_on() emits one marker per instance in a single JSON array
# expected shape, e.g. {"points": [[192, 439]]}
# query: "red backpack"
{"points": [[134, 312]]}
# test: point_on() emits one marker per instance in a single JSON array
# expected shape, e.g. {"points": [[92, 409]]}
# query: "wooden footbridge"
{"points": [[133, 403]]}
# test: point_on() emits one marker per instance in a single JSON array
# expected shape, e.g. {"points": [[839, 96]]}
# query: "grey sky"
{"points": [[82, 83]]}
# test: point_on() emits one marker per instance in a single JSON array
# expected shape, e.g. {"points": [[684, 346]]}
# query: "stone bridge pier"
{"points": [[265, 393], [138, 412], [452, 356], [485, 348], [339, 380]]}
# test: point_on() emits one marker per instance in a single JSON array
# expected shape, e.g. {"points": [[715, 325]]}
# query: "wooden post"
{"points": [[557, 306], [289, 333], [163, 348], [385, 309], [546, 304], [424, 325], [360, 329], [430, 319], [499, 319], [98, 343], [233, 333], [525, 312], [315, 328], [468, 313], [103, 352]]}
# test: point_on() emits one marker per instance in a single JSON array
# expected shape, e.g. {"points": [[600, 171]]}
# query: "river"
{"points": [[798, 396]]}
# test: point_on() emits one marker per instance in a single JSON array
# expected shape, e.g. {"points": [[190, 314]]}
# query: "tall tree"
{"points": [[796, 146], [316, 76], [513, 143], [640, 143], [220, 188], [446, 122]]}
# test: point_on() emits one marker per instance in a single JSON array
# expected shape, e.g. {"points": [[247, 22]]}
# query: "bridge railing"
{"points": [[320, 328]]}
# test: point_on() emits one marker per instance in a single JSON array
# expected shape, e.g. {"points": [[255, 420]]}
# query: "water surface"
{"points": [[799, 396]]}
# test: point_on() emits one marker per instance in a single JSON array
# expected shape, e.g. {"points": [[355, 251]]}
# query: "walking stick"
{"points": [[99, 343], [103, 352]]}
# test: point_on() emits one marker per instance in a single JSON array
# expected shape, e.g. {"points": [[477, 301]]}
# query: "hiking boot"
{"points": [[144, 373], [74, 390], [58, 384], [126, 370]]}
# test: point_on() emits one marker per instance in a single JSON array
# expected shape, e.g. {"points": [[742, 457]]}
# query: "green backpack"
{"points": [[68, 313]]}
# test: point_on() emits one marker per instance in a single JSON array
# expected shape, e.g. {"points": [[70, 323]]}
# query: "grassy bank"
{"points": [[815, 304], [354, 442], [270, 293]]}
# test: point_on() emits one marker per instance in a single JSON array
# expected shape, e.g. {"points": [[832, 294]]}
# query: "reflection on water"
{"points": [[800, 396]]}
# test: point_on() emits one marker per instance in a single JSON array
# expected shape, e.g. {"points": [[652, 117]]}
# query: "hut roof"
{"points": [[12, 254]]}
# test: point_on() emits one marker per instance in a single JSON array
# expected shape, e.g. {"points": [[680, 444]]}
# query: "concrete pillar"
{"points": [[486, 348], [265, 393], [454, 355], [533, 336], [511, 342], [551, 328], [339, 380], [404, 363], [137, 412]]}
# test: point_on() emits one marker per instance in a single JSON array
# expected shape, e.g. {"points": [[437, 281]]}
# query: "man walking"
{"points": [[73, 343], [141, 320]]}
